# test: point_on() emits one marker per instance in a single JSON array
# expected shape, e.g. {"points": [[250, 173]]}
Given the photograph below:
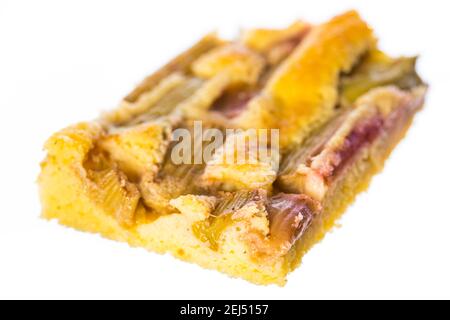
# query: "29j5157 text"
{"points": [[235, 310]]}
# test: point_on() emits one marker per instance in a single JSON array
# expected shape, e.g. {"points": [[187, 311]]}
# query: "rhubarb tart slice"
{"points": [[238, 155]]}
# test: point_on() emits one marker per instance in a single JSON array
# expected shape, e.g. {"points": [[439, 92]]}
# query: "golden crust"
{"points": [[304, 90], [262, 40], [329, 49], [241, 64]]}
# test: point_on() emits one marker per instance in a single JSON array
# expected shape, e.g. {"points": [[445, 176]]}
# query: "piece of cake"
{"points": [[313, 111]]}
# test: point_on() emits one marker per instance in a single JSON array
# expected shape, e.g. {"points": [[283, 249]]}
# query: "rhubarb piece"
{"points": [[289, 216], [243, 209], [188, 98], [172, 181], [181, 63], [269, 226], [314, 168], [200, 102], [168, 106], [147, 101], [116, 195], [378, 70]]}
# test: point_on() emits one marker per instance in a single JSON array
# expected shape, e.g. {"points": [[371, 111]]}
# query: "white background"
{"points": [[65, 61]]}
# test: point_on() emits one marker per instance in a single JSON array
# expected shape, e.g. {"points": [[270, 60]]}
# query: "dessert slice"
{"points": [[316, 108]]}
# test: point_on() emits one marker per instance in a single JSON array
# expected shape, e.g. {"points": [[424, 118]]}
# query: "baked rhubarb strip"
{"points": [[313, 168]]}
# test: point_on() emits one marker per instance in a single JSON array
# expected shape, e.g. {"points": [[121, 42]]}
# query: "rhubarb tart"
{"points": [[240, 155]]}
